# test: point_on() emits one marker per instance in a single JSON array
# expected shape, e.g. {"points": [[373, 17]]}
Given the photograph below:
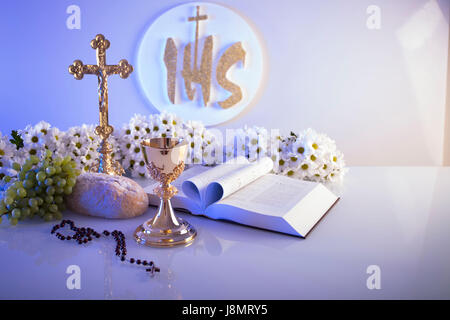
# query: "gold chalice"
{"points": [[164, 158]]}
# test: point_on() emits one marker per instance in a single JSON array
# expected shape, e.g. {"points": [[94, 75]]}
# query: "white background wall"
{"points": [[379, 93]]}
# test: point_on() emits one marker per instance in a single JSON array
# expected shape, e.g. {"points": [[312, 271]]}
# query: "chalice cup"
{"points": [[164, 158]]}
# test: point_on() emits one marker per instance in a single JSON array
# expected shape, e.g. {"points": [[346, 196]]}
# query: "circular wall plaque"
{"points": [[227, 48]]}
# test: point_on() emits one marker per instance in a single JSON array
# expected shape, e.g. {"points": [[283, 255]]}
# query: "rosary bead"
{"points": [[84, 235]]}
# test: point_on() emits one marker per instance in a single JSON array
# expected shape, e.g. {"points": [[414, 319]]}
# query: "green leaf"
{"points": [[16, 139]]}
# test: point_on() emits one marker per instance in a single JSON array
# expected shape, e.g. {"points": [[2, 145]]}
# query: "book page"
{"points": [[270, 194], [233, 181], [195, 186]]}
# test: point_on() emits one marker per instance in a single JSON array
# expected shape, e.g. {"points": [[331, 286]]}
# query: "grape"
{"points": [[48, 199], [61, 183], [16, 213], [38, 188], [31, 175], [53, 208], [59, 200], [22, 175], [40, 201], [67, 168], [9, 200], [11, 192], [50, 171], [26, 167], [25, 212], [61, 206], [28, 184], [57, 215], [67, 190], [40, 176], [33, 203], [50, 190], [42, 212], [17, 184], [34, 160], [31, 193], [71, 182], [21, 192], [48, 181], [23, 203]]}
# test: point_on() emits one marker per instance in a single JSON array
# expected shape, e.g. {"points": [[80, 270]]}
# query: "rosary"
{"points": [[84, 235]]}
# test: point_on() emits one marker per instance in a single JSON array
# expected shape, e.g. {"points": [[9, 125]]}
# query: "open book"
{"points": [[247, 193]]}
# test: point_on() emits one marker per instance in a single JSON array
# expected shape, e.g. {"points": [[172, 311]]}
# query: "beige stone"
{"points": [[112, 197]]}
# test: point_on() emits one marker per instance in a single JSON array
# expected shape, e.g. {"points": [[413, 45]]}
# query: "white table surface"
{"points": [[395, 217]]}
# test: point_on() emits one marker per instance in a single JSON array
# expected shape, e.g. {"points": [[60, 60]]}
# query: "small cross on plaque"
{"points": [[105, 163], [197, 19]]}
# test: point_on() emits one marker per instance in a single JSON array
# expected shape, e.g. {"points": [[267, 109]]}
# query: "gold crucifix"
{"points": [[105, 162]]}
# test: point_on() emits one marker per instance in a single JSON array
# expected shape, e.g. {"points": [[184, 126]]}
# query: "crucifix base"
{"points": [[106, 164]]}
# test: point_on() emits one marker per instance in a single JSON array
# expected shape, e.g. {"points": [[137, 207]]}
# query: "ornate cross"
{"points": [[197, 18], [105, 164]]}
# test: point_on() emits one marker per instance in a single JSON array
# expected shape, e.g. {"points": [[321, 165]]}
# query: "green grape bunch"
{"points": [[38, 189]]}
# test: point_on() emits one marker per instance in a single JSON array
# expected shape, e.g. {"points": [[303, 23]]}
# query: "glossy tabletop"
{"points": [[395, 218]]}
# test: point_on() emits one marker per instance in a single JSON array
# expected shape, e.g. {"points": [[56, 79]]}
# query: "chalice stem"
{"points": [[165, 217]]}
